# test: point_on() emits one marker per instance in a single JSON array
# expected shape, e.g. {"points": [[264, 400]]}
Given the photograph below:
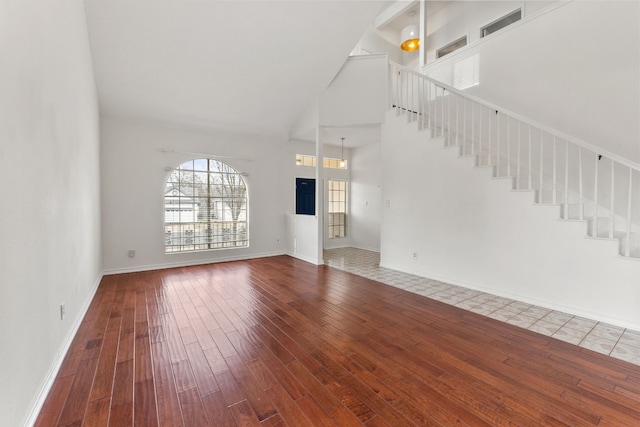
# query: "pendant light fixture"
{"points": [[409, 38], [342, 162]]}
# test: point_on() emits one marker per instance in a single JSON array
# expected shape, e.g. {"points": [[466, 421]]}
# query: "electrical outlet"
{"points": [[131, 253], [63, 311], [415, 255]]}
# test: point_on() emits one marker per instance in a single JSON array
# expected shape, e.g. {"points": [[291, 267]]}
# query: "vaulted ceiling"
{"points": [[244, 66]]}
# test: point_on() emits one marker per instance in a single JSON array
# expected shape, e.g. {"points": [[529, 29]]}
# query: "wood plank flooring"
{"points": [[277, 341]]}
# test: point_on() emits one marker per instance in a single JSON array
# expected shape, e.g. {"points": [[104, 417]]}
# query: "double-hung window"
{"points": [[337, 200]]}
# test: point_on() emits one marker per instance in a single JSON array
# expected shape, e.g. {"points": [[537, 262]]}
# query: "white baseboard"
{"points": [[59, 358], [188, 263], [307, 259], [365, 248], [623, 323], [62, 352]]}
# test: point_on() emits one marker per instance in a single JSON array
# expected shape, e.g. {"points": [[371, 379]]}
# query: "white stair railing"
{"points": [[588, 183]]}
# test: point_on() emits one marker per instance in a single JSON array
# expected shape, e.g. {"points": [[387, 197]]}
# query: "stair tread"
{"points": [[553, 195]]}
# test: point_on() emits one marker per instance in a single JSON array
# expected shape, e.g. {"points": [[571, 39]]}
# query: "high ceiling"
{"points": [[244, 66], [403, 13]]}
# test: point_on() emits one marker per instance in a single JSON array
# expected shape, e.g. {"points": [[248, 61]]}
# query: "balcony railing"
{"points": [[198, 236]]}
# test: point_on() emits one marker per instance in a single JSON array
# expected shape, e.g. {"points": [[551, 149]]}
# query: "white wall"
{"points": [[384, 35], [365, 192], [50, 234], [294, 171], [373, 42], [466, 18], [133, 180], [358, 94], [469, 229], [574, 69], [304, 234]]}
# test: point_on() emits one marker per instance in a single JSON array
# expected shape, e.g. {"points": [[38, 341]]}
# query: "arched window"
{"points": [[205, 207]]}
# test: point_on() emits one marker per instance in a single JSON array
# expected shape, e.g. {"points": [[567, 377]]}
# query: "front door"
{"points": [[305, 196]]}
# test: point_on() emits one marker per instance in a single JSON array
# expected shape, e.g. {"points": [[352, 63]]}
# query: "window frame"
{"points": [[503, 17], [344, 220], [466, 43], [185, 190], [309, 160]]}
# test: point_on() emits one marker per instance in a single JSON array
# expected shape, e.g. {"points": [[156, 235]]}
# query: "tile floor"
{"points": [[614, 341]]}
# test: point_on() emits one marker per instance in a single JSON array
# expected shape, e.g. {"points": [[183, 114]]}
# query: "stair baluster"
{"points": [[431, 104]]}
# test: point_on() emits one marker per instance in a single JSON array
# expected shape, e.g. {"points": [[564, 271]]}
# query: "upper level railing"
{"points": [[588, 183]]}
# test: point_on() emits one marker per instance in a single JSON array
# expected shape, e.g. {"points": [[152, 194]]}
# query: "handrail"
{"points": [[612, 156], [561, 169]]}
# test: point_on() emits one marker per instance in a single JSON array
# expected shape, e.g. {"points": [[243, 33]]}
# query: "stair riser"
{"points": [[524, 178]]}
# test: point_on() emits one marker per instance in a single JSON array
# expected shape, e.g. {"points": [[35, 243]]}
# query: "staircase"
{"points": [[585, 183]]}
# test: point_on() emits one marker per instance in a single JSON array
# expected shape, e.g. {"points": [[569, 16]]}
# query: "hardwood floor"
{"points": [[277, 341]]}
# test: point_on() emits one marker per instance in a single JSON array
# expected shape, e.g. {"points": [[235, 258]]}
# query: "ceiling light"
{"points": [[409, 38]]}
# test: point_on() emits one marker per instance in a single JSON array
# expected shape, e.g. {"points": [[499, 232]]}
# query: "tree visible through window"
{"points": [[205, 207]]}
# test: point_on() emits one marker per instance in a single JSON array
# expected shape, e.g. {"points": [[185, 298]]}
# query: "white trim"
{"points": [[340, 245], [624, 323], [392, 12], [309, 260], [365, 248], [163, 266], [354, 58], [59, 358], [367, 56], [422, 51], [609, 155]]}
